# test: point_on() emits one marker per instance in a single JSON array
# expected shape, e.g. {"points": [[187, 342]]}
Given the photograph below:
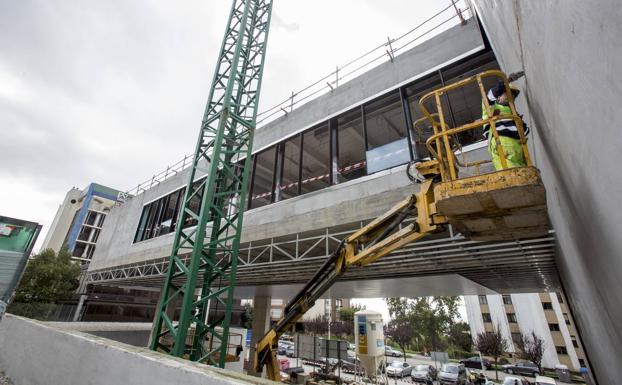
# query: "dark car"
{"points": [[528, 368], [452, 374], [350, 365], [475, 363], [424, 374]]}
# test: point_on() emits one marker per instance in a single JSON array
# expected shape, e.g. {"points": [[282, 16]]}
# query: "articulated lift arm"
{"points": [[377, 239]]}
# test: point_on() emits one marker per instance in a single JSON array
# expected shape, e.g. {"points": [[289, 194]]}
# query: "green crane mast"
{"points": [[210, 222]]}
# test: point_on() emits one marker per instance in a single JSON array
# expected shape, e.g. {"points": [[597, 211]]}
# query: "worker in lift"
{"points": [[497, 98]]}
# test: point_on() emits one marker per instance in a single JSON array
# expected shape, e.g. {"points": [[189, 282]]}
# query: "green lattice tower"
{"points": [[210, 223]]}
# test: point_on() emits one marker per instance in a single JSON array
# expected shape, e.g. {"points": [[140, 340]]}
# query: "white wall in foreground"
{"points": [[32, 353]]}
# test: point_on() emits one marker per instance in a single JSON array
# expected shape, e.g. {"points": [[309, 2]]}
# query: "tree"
{"points": [[346, 314], [492, 344], [247, 316], [401, 333], [317, 325], [430, 317], [340, 328], [531, 348], [460, 336], [48, 278]]}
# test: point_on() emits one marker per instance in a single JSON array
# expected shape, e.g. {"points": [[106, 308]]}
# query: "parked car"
{"points": [[350, 364], [452, 374], [282, 347], [399, 369], [389, 351], [290, 351], [424, 374], [513, 380], [542, 380], [528, 368], [477, 377], [475, 363]]}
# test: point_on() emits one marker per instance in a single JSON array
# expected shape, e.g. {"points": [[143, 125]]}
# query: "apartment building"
{"points": [[546, 314], [79, 220]]}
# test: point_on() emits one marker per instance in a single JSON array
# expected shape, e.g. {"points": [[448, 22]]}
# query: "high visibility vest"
{"points": [[505, 127]]}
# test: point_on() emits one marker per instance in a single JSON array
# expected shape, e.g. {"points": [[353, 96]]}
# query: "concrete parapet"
{"points": [[35, 353]]}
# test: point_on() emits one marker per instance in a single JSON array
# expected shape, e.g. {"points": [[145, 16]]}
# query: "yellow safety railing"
{"points": [[440, 143]]}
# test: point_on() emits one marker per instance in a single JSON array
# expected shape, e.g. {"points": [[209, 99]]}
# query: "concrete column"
{"points": [[261, 323]]}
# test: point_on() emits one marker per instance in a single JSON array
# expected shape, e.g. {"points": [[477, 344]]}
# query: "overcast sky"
{"points": [[114, 91]]}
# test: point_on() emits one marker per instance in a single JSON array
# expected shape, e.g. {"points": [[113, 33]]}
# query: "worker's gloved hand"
{"points": [[514, 76]]}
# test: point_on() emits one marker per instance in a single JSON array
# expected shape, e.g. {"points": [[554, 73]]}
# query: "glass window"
{"points": [[100, 223], [142, 224], [169, 217], [290, 174], [566, 318], [422, 130], [385, 125], [486, 317], [315, 159], [560, 299], [547, 306], [561, 350], [574, 341], [153, 208], [449, 369], [195, 203], [511, 318], [350, 146], [79, 249], [554, 327], [482, 300], [91, 218], [507, 300], [517, 338], [384, 120], [95, 235], [263, 178]]}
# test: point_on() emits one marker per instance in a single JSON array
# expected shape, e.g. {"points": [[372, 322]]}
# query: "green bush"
{"points": [[457, 353], [503, 361]]}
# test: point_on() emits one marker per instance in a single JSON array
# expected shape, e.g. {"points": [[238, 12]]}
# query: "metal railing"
{"points": [[440, 143], [328, 83]]}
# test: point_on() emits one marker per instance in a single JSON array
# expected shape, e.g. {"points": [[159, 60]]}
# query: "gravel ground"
{"points": [[4, 380]]}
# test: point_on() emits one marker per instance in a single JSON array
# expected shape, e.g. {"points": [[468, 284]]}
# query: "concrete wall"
{"points": [[62, 221], [33, 353], [571, 54], [349, 202]]}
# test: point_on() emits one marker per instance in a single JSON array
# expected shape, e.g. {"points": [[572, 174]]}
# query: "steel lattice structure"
{"points": [[207, 237]]}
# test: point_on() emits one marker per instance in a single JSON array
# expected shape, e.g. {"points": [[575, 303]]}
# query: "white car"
{"points": [[513, 380], [542, 380], [399, 369], [389, 351]]}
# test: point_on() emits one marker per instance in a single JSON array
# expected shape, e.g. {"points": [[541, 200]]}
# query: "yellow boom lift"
{"points": [[505, 204]]}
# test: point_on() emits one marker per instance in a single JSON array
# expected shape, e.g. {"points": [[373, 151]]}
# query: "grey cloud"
{"points": [[278, 22]]}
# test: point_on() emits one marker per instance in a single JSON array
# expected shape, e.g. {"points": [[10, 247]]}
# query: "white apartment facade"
{"points": [[546, 314]]}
